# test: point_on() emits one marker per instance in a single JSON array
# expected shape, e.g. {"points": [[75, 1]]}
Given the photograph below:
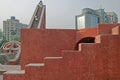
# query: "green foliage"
{"points": [[17, 39], [1, 34], [3, 41], [3, 59]]}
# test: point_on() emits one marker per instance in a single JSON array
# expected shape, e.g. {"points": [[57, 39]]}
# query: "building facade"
{"points": [[11, 28], [91, 18]]}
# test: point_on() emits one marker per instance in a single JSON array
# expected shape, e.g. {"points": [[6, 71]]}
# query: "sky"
{"points": [[59, 13]]}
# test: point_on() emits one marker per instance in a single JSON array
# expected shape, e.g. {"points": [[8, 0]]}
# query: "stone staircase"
{"points": [[37, 18]]}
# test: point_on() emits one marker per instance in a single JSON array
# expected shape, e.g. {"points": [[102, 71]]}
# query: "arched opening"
{"points": [[84, 40]]}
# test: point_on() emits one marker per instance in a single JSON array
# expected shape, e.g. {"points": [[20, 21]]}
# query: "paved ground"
{"points": [[1, 77], [8, 68]]}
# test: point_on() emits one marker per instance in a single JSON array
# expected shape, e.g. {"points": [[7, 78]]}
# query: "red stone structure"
{"points": [[64, 54]]}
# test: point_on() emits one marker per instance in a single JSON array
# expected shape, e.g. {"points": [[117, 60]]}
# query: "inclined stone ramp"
{"points": [[37, 18]]}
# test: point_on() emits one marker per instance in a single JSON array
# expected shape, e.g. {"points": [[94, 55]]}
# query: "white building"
{"points": [[91, 18], [11, 28], [113, 16]]}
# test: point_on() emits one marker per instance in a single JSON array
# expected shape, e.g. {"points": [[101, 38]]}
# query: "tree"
{"points": [[3, 41], [17, 39]]}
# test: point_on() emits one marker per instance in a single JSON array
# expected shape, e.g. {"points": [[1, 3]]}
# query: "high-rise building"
{"points": [[11, 28], [91, 18], [113, 16]]}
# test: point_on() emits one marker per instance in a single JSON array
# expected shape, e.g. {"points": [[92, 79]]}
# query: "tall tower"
{"points": [[38, 19]]}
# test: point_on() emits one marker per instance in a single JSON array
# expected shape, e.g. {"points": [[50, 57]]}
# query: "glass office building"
{"points": [[91, 18]]}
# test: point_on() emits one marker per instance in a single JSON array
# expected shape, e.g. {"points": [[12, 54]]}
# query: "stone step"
{"points": [[53, 57], [15, 72], [35, 65], [1, 77], [116, 30]]}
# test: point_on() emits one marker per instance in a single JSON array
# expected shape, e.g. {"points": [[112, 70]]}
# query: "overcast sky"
{"points": [[60, 13]]}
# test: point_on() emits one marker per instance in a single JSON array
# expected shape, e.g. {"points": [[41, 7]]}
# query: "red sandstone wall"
{"points": [[116, 30], [14, 77], [106, 28], [13, 62], [36, 44], [95, 61], [88, 32]]}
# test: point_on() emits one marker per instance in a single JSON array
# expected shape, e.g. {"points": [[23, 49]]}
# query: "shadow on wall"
{"points": [[84, 40]]}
